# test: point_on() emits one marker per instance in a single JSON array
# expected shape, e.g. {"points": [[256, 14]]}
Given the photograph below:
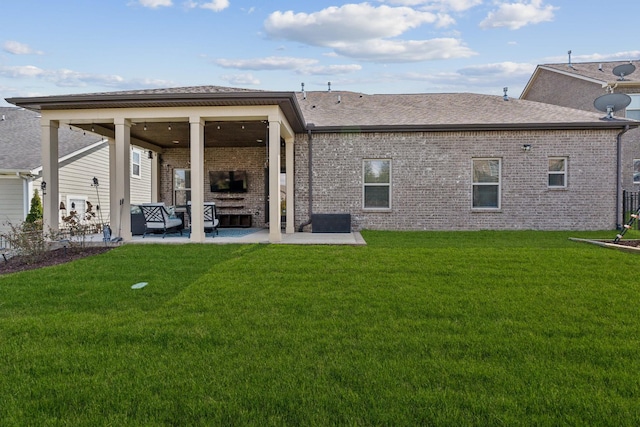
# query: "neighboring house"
{"points": [[577, 85], [392, 162], [83, 155]]}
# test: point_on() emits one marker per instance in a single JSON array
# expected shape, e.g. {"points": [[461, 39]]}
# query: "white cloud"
{"points": [[500, 69], [390, 51], [215, 5], [70, 78], [17, 48], [298, 65], [330, 70], [155, 3], [240, 79], [25, 71], [631, 55], [352, 22], [518, 15], [268, 63], [368, 33], [441, 5]]}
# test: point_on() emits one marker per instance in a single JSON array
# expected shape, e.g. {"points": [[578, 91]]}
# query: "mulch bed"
{"points": [[632, 243], [54, 257]]}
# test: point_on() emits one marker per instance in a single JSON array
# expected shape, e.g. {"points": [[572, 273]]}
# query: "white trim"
{"points": [[139, 153], [498, 184], [564, 172], [377, 184]]}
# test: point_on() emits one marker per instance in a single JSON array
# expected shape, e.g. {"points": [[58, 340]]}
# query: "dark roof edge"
{"points": [[106, 100], [603, 124]]}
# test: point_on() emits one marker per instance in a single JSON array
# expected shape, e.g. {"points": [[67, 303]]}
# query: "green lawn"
{"points": [[472, 328]]}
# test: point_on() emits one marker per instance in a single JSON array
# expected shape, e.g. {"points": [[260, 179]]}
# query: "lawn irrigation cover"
{"points": [[139, 285]]}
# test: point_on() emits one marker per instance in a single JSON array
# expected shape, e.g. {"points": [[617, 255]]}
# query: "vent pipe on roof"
{"points": [[304, 94], [339, 99], [600, 68], [4, 118], [505, 96], [570, 64], [329, 85]]}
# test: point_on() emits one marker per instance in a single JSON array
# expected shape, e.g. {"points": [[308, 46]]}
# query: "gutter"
{"points": [[310, 157], [462, 127], [619, 175]]}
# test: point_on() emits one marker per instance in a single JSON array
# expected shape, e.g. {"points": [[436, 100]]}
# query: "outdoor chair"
{"points": [[157, 218], [210, 216]]}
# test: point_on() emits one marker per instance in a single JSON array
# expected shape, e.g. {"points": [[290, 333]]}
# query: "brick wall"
{"points": [[558, 89], [431, 179], [249, 159]]}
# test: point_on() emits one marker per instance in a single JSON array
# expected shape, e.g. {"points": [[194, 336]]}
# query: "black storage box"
{"points": [[331, 223]]}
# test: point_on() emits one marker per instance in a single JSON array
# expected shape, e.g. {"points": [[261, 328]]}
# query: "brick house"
{"points": [[394, 162], [577, 85]]}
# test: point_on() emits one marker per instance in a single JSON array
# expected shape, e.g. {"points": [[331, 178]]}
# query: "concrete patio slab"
{"points": [[261, 236]]}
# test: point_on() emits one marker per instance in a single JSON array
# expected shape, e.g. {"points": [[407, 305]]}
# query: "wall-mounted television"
{"points": [[228, 181]]}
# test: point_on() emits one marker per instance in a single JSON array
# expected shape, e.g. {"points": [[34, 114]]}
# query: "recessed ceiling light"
{"points": [[176, 142]]}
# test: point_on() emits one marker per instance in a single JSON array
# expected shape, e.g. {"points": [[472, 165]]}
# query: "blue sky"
{"points": [[380, 46]]}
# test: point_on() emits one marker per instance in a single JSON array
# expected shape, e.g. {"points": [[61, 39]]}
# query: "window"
{"points": [[377, 184], [486, 183], [557, 172], [136, 156], [181, 186], [633, 110], [636, 171]]}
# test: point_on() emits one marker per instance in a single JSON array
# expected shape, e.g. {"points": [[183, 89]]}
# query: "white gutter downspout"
{"points": [[619, 220], [26, 191]]}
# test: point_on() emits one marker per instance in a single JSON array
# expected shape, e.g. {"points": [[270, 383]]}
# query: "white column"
{"points": [[197, 179], [121, 210], [155, 182], [113, 197], [289, 154], [275, 234], [50, 200]]}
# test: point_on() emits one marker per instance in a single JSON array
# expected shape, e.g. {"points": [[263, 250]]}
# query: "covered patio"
{"points": [[195, 129]]}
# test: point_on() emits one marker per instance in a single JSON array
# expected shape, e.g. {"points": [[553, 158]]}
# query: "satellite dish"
{"points": [[612, 102], [623, 70]]}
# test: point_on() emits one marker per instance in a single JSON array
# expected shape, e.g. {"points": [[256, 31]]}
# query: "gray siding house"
{"points": [[392, 162], [83, 155]]}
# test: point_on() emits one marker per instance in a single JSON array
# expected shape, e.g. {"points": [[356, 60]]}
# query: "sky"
{"points": [[59, 47]]}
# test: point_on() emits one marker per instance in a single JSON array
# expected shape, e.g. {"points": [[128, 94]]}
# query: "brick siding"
{"points": [[431, 179]]}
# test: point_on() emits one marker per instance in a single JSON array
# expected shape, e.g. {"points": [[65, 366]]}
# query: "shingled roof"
{"points": [[600, 71], [438, 111], [337, 110], [20, 136]]}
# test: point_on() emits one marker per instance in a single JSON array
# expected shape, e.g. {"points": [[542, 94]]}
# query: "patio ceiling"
{"points": [[176, 134]]}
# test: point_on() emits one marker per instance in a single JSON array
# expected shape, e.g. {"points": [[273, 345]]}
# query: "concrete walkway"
{"points": [[262, 236]]}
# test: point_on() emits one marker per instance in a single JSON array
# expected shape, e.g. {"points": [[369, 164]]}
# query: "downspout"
{"points": [[619, 174], [310, 159], [26, 198]]}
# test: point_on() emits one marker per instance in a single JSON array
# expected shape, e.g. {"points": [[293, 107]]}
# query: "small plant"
{"points": [[35, 212], [28, 240], [81, 225]]}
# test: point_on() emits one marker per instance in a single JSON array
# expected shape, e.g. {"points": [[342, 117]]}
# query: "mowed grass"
{"points": [[417, 328]]}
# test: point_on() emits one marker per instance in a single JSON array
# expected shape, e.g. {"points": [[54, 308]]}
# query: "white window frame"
{"points": [[636, 171], [564, 172], [134, 152], [376, 184], [186, 189], [633, 110], [475, 184]]}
